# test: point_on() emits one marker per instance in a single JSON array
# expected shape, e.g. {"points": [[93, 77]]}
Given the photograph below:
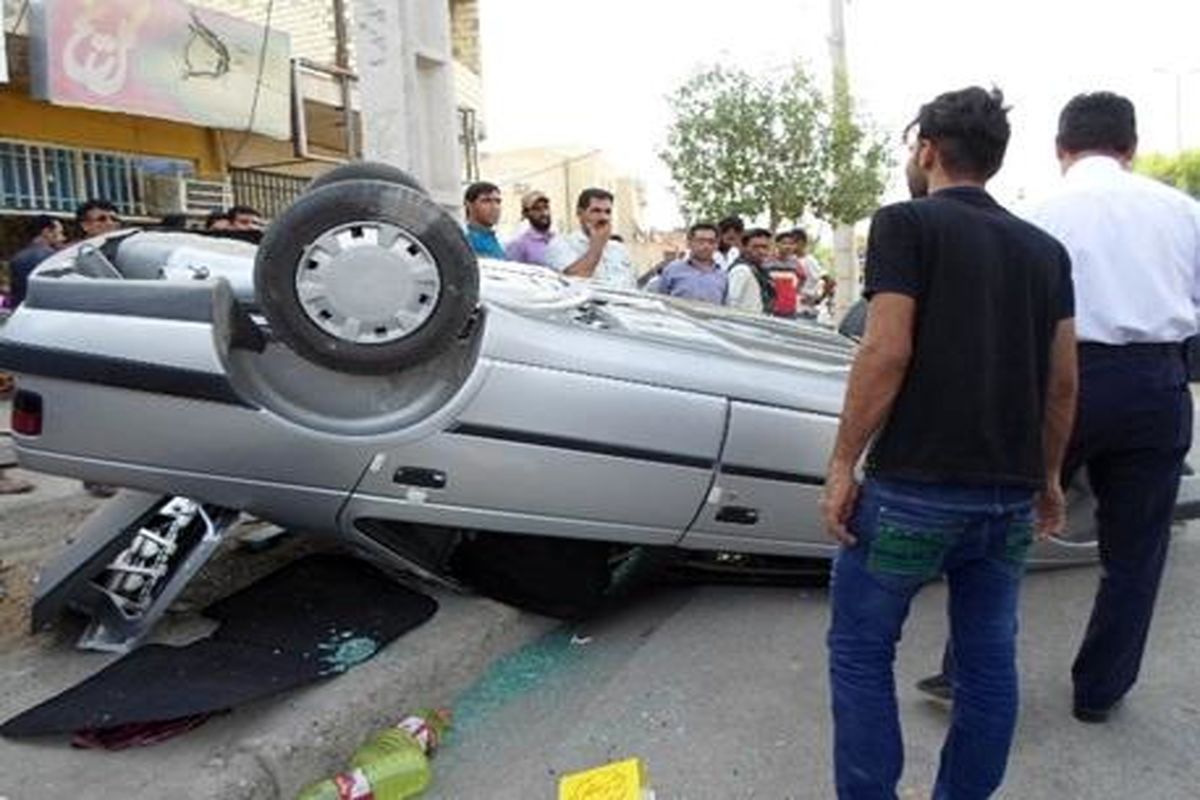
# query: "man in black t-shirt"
{"points": [[965, 380]]}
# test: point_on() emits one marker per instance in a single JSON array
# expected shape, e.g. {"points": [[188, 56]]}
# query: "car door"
{"points": [[766, 496], [552, 452]]}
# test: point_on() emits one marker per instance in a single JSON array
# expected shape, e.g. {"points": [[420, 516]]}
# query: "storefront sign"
{"points": [[163, 58]]}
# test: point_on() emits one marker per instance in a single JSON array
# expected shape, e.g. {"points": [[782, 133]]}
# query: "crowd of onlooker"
{"points": [[47, 235], [753, 270]]}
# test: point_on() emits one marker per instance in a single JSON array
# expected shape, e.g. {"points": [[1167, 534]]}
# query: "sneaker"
{"points": [[938, 687]]}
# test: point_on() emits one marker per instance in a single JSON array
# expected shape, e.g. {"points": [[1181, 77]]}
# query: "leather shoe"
{"points": [[1092, 716]]}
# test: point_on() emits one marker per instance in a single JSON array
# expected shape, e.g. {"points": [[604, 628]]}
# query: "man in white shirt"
{"points": [[750, 285], [1135, 251], [591, 252], [1134, 425], [729, 239]]}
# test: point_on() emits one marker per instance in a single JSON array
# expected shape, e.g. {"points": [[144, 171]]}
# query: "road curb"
{"points": [[430, 667]]}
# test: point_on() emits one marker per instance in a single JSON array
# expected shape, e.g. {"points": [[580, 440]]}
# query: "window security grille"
{"points": [[267, 192], [46, 178]]}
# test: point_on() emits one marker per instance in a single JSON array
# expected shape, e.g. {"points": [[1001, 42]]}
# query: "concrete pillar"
{"points": [[406, 91]]}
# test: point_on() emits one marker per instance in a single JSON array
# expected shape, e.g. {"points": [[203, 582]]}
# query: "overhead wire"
{"points": [[20, 16], [258, 82]]}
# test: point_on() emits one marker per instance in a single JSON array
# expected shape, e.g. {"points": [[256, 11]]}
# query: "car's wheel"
{"points": [[366, 171], [563, 578], [366, 277]]}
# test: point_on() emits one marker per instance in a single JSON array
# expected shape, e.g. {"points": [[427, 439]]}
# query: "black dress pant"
{"points": [[1132, 431]]}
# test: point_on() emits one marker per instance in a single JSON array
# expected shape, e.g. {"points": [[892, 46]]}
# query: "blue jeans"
{"points": [[908, 535]]}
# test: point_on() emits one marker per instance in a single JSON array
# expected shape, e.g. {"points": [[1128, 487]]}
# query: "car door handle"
{"points": [[738, 515], [420, 476]]}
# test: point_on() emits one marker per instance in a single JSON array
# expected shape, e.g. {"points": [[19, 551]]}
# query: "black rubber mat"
{"points": [[312, 619]]}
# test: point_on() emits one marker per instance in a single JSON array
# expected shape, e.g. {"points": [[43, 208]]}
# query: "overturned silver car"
{"points": [[359, 376]]}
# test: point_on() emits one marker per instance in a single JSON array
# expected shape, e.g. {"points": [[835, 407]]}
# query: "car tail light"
{"points": [[27, 413]]}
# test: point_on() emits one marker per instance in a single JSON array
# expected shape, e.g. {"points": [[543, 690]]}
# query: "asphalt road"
{"points": [[722, 692]]}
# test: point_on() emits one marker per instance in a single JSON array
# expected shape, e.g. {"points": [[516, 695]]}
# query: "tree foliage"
{"points": [[856, 165], [776, 147], [1181, 170]]}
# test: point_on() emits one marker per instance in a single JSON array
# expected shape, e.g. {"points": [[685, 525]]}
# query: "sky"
{"points": [[597, 74]]}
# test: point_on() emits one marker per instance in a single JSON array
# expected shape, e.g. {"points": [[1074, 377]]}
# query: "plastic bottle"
{"points": [[391, 765]]}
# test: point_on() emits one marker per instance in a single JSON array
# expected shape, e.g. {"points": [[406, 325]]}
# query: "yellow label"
{"points": [[621, 780]]}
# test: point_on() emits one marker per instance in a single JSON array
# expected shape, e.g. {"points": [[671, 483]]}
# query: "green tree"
{"points": [[856, 165], [1181, 171], [775, 147]]}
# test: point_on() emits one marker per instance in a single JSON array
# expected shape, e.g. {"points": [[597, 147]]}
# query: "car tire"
{"points": [[366, 277], [366, 171], [562, 578]]}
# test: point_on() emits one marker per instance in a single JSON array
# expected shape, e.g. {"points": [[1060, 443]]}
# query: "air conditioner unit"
{"points": [[170, 194], [163, 194], [201, 197]]}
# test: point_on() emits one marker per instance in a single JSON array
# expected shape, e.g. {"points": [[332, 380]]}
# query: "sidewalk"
{"points": [[33, 527], [267, 750]]}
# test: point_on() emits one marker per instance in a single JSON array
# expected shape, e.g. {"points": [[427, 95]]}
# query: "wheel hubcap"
{"points": [[368, 283]]}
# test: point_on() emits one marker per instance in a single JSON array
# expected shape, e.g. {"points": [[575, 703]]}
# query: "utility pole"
{"points": [[1178, 112], [1177, 75], [845, 260]]}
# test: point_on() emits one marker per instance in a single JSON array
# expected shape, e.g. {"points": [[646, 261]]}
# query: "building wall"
{"points": [[464, 32], [26, 119], [309, 22], [14, 22], [562, 173], [311, 26], [468, 87]]}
